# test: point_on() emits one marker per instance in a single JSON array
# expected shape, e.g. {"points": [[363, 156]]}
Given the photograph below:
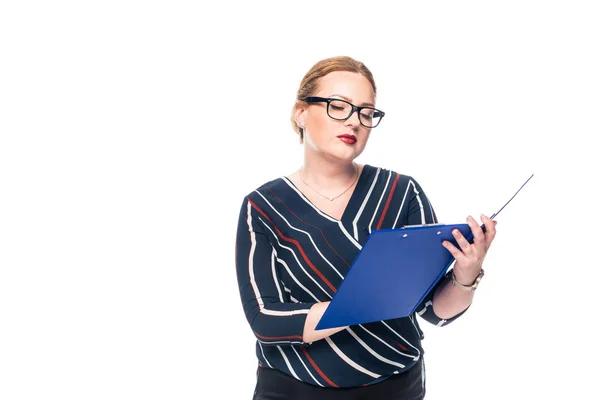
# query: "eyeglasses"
{"points": [[341, 110]]}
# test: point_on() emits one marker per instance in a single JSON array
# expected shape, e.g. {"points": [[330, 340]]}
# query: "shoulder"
{"points": [[389, 176], [267, 189], [272, 196]]}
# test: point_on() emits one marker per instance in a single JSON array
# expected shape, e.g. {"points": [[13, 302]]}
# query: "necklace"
{"points": [[330, 198]]}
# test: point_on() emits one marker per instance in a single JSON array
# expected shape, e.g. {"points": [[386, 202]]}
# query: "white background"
{"points": [[130, 132]]}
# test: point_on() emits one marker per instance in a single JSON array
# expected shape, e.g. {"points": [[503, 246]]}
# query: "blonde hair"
{"points": [[310, 83]]}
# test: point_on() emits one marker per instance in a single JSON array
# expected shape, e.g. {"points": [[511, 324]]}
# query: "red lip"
{"points": [[349, 139]]}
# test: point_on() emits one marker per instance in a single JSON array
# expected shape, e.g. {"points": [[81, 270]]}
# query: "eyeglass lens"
{"points": [[341, 110]]}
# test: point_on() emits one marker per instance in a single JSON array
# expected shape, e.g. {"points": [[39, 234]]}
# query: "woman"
{"points": [[298, 235]]}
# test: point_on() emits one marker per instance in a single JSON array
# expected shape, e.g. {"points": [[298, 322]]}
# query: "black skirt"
{"points": [[275, 385]]}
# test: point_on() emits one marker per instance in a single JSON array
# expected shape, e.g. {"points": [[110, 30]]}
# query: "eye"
{"points": [[367, 114], [338, 104]]}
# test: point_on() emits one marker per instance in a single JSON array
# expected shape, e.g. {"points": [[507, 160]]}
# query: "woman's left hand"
{"points": [[469, 258]]}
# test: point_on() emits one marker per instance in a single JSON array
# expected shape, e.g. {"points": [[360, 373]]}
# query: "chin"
{"points": [[345, 154]]}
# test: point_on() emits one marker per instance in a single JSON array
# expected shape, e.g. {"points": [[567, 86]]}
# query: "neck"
{"points": [[329, 174]]}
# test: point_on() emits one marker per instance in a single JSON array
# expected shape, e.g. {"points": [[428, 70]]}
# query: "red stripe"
{"points": [[321, 374], [295, 242], [278, 337], [398, 332], [388, 201], [314, 226], [399, 344]]}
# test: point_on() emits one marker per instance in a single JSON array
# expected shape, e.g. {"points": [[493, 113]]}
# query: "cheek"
{"points": [[323, 129], [326, 124], [365, 139]]}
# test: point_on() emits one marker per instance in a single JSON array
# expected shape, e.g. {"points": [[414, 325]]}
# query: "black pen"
{"points": [[497, 212]]}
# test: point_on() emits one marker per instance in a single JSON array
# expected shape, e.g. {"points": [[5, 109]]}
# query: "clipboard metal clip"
{"points": [[420, 225]]}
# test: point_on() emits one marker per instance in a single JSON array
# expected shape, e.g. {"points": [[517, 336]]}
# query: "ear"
{"points": [[299, 114]]}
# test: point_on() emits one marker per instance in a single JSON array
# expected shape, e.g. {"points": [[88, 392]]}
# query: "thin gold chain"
{"points": [[329, 197]]}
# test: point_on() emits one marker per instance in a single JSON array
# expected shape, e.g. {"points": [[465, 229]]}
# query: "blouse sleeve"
{"points": [[420, 211], [273, 318]]}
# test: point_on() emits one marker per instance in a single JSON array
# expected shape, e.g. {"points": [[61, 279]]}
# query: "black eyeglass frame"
{"points": [[316, 99]]}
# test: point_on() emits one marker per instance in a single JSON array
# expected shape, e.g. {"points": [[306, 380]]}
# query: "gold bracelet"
{"points": [[467, 288]]}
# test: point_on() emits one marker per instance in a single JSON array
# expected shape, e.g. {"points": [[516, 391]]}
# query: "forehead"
{"points": [[349, 84]]}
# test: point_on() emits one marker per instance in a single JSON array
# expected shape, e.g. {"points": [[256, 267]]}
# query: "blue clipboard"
{"points": [[392, 274]]}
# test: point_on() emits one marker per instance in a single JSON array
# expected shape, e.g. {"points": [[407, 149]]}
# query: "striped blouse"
{"points": [[290, 255]]}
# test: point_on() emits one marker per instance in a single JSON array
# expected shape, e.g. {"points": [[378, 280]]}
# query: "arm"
{"points": [[449, 301], [273, 318], [316, 312], [445, 302]]}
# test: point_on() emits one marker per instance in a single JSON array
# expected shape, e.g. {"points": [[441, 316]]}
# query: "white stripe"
{"points": [[405, 341], [349, 361], [380, 200], [431, 211], [363, 205], [341, 226], [423, 374], [370, 350], [429, 303], [306, 233], [345, 232], [289, 313], [275, 280], [292, 298], [298, 261], [423, 219], [307, 370], [251, 259], [291, 185], [257, 295], [287, 362], [263, 354], [420, 204], [387, 344], [412, 319], [286, 342], [402, 204], [296, 280]]}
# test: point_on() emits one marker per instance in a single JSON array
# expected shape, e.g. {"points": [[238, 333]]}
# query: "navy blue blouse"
{"points": [[290, 255]]}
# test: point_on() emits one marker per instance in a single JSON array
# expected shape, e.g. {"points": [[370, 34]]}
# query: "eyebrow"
{"points": [[350, 100]]}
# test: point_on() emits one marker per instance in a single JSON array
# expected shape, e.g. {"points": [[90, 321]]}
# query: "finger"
{"points": [[456, 253], [478, 235], [462, 241], [490, 227]]}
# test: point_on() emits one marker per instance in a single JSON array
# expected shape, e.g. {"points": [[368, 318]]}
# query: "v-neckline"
{"points": [[351, 200]]}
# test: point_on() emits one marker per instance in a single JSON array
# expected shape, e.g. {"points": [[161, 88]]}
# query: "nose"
{"points": [[353, 119]]}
